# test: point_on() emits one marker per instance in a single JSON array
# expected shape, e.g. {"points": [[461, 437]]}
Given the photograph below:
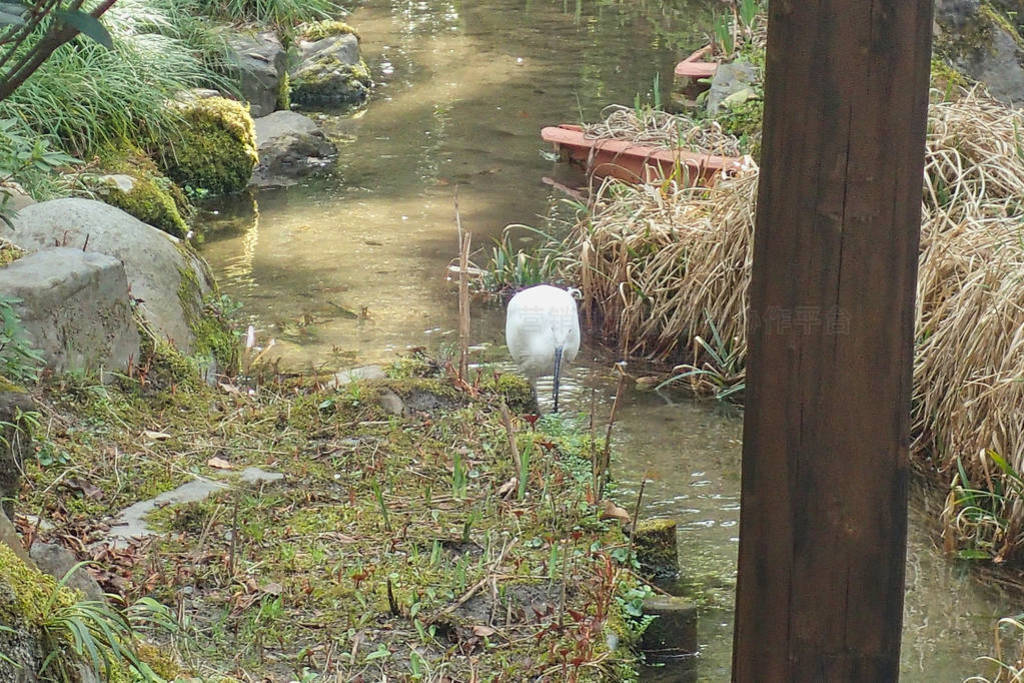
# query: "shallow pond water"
{"points": [[350, 268]]}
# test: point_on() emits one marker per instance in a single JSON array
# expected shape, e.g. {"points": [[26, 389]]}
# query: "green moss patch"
{"points": [[214, 149], [325, 80], [9, 252], [318, 30], [403, 545], [27, 591], [152, 198], [284, 94]]}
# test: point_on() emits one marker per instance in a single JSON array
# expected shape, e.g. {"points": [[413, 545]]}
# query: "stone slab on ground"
{"points": [[74, 308], [346, 377], [131, 522]]}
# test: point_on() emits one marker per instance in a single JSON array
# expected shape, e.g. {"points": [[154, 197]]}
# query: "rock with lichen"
{"points": [[73, 309], [214, 148], [329, 69], [980, 40]]}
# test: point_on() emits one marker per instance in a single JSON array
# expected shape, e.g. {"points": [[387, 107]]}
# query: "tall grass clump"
{"points": [[87, 96], [969, 386], [183, 21], [279, 13], [665, 269], [662, 264]]}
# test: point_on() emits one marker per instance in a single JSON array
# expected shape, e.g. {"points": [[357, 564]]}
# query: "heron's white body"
{"points": [[542, 330]]}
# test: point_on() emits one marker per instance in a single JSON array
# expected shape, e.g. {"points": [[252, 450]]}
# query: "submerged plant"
{"points": [[721, 370], [510, 268]]}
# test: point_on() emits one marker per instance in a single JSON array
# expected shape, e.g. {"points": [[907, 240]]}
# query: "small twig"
{"points": [[565, 582], [506, 417], [607, 459], [392, 602], [234, 539], [465, 240], [636, 510]]}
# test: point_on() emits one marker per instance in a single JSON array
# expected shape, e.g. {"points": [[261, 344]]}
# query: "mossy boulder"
{"points": [[318, 30], [168, 279], [23, 590], [143, 198], [28, 598], [214, 148], [330, 71], [132, 182]]}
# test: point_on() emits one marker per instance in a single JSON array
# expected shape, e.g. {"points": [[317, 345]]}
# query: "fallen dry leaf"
{"points": [[647, 383], [220, 463], [155, 436], [610, 510], [508, 487], [483, 631]]}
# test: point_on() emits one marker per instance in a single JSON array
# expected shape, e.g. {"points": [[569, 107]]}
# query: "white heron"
{"points": [[542, 330]]}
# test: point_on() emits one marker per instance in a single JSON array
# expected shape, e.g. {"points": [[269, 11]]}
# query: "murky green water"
{"points": [[350, 268]]}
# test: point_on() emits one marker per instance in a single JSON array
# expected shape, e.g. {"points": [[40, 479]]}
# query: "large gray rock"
{"points": [[166, 278], [74, 308], [57, 561], [290, 146], [979, 43], [257, 63], [330, 71]]}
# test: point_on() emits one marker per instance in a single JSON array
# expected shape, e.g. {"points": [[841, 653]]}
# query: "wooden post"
{"points": [[826, 430]]}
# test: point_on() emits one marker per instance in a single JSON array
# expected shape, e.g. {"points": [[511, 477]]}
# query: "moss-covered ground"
{"points": [[398, 546]]}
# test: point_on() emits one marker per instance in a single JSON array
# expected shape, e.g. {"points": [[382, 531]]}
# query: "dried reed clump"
{"points": [[661, 265], [661, 129], [969, 361]]}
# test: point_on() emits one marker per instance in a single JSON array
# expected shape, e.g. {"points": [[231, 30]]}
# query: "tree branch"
{"points": [[39, 53]]}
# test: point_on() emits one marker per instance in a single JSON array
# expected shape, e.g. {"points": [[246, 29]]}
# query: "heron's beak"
{"points": [[558, 366]]}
